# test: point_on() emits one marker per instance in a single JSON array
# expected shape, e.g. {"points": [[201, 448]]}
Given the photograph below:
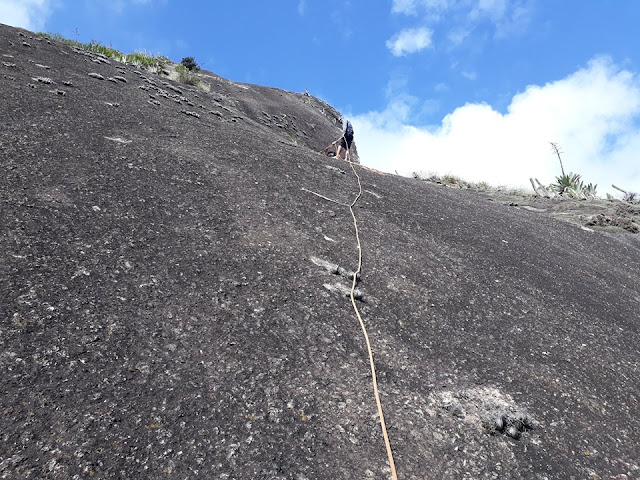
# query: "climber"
{"points": [[344, 141]]}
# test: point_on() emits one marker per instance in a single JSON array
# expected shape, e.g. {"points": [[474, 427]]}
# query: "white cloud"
{"points": [[458, 35], [410, 40], [407, 7], [441, 87], [461, 18], [515, 21], [594, 114], [29, 14], [494, 9], [118, 7], [410, 7], [469, 75]]}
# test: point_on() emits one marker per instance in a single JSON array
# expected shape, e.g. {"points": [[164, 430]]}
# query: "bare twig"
{"points": [[620, 189], [535, 189], [541, 189], [556, 149], [631, 197]]}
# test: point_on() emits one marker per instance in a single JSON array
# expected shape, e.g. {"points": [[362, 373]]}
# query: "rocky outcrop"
{"points": [[166, 252]]}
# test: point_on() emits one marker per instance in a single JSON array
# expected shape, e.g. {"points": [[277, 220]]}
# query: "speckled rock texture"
{"points": [[170, 301]]}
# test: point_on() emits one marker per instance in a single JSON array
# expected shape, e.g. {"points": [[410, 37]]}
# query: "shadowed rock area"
{"points": [[172, 297]]}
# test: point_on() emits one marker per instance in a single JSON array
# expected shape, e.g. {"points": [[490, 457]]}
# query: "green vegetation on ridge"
{"points": [[139, 58]]}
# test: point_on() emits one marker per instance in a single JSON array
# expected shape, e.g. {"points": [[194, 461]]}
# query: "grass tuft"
{"points": [[139, 58], [187, 76], [100, 49], [456, 181]]}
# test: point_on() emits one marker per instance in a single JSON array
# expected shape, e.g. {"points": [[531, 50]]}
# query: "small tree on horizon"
{"points": [[190, 64]]}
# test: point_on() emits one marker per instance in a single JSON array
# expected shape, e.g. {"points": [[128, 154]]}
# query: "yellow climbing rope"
{"points": [[364, 329]]}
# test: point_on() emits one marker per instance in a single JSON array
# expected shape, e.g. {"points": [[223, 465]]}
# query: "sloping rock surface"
{"points": [[172, 306]]}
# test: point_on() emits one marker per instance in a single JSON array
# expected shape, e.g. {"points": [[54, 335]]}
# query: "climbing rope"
{"points": [[364, 329]]}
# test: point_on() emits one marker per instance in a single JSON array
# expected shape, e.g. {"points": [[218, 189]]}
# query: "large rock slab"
{"points": [[164, 309]]}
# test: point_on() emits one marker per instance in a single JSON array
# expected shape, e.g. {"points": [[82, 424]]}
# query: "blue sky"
{"points": [[477, 88]]}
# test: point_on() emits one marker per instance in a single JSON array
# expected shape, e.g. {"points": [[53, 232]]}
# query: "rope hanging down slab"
{"points": [[394, 476]]}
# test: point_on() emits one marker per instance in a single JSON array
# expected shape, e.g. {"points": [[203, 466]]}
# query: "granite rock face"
{"points": [[164, 309]]}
